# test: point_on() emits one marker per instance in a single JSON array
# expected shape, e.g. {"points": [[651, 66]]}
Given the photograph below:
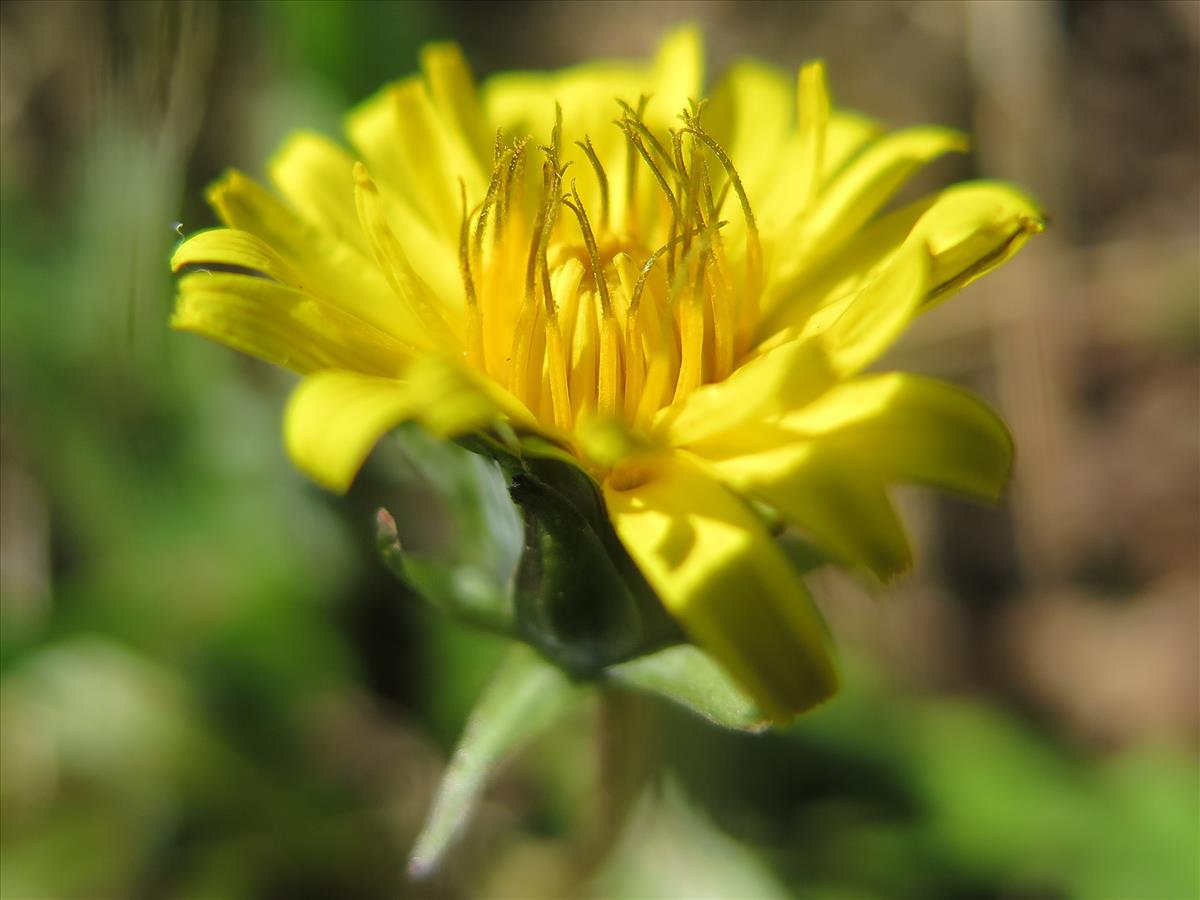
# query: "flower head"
{"points": [[679, 294]]}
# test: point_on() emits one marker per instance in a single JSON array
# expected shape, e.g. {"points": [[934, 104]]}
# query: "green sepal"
{"points": [[688, 676], [461, 591], [525, 696], [534, 556], [578, 598], [468, 573]]}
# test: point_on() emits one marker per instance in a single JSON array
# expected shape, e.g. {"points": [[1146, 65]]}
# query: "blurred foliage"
{"points": [[211, 687]]}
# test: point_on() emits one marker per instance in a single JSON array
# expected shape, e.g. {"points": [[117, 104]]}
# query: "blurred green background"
{"points": [[211, 687]]}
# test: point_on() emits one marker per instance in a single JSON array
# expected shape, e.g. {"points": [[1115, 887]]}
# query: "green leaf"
{"points": [[525, 697], [692, 679]]}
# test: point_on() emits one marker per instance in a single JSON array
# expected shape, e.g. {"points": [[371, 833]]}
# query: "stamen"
{"points": [[694, 129], [569, 349], [610, 351], [610, 368], [515, 172], [556, 363], [689, 184], [634, 118], [474, 318], [635, 371], [539, 226], [657, 379], [723, 308], [573, 203], [490, 198], [749, 306], [586, 146], [654, 257], [631, 172], [633, 135], [556, 133], [691, 337], [584, 352], [523, 335], [544, 241], [464, 257], [657, 331], [635, 361], [635, 140]]}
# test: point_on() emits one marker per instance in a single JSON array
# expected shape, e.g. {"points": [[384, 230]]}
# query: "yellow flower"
{"points": [[681, 296]]}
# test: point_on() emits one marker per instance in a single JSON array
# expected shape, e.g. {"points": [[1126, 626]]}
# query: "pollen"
{"points": [[587, 303]]}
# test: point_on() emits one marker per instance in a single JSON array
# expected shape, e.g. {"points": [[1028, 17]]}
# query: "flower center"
{"points": [[614, 307]]}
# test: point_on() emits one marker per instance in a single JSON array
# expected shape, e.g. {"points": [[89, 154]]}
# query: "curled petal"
{"points": [[968, 230]]}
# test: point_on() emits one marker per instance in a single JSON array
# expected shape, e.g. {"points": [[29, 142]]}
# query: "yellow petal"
{"points": [[452, 87], [721, 576], [968, 229], [789, 171], [826, 467], [372, 127], [971, 229], [858, 191], [335, 418], [230, 247], [907, 428], [416, 154], [868, 182], [434, 319], [843, 509], [812, 98], [766, 387], [751, 113], [330, 269], [315, 176], [847, 133], [523, 103], [860, 326], [282, 325], [678, 70]]}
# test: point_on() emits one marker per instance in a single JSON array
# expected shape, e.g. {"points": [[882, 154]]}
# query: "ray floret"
{"points": [[680, 296]]}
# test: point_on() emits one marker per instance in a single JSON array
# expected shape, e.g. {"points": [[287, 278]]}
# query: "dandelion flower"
{"points": [[680, 295]]}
